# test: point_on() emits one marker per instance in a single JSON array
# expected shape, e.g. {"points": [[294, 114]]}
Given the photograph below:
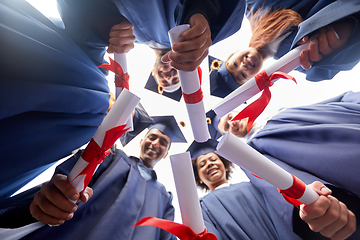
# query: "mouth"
{"points": [[212, 171], [250, 61]]}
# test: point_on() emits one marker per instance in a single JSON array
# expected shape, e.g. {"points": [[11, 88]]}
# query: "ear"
{"points": [[153, 72], [167, 152], [141, 140]]}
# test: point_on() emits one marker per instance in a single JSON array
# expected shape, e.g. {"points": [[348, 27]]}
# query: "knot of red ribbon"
{"points": [[121, 78], [196, 96], [94, 154], [294, 192], [263, 82], [181, 231]]}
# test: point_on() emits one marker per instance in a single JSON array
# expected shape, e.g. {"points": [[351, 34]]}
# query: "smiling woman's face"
{"points": [[211, 169], [244, 65]]}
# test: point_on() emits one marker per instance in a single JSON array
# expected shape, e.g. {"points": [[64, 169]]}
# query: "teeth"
{"points": [[251, 62]]}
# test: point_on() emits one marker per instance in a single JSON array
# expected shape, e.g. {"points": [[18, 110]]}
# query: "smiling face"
{"points": [[238, 127], [154, 147], [165, 75], [211, 170], [244, 65]]}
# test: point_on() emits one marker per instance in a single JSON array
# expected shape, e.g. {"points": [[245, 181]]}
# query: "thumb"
{"points": [[320, 188], [166, 58]]}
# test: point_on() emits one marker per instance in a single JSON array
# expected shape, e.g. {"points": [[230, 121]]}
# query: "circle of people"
{"points": [[62, 96]]}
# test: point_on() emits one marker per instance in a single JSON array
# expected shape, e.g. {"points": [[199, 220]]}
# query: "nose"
{"points": [[155, 143]]}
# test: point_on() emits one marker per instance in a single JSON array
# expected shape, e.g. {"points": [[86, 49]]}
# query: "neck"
{"points": [[215, 185]]}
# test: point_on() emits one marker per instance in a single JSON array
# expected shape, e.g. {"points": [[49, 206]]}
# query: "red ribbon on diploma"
{"points": [[294, 192], [121, 78], [196, 96], [263, 82], [181, 231], [94, 154]]}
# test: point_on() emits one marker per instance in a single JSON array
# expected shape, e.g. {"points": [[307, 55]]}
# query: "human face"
{"points": [[238, 127], [164, 74], [154, 147], [211, 169], [244, 65]]}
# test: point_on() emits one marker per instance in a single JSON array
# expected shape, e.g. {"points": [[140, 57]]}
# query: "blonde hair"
{"points": [[268, 26]]}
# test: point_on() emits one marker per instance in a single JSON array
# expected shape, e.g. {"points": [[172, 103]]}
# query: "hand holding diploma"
{"points": [[235, 150], [193, 97], [112, 127]]}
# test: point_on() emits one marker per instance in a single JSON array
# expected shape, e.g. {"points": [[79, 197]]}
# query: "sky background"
{"points": [[285, 93]]}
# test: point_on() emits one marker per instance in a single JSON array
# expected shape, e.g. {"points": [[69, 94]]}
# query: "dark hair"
{"points": [[228, 165], [268, 26]]}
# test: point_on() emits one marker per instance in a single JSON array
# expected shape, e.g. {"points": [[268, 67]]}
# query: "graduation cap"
{"points": [[221, 81], [197, 149], [213, 121], [141, 120], [152, 85], [168, 126]]}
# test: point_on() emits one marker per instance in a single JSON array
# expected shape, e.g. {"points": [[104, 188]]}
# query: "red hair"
{"points": [[268, 26]]}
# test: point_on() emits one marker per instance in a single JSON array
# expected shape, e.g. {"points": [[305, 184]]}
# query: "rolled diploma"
{"points": [[120, 58], [286, 64], [190, 83], [237, 151], [186, 192], [118, 115]]}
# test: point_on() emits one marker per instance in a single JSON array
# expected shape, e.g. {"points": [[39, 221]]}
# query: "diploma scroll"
{"points": [[115, 119], [120, 58], [286, 64], [190, 85], [186, 192], [235, 150]]}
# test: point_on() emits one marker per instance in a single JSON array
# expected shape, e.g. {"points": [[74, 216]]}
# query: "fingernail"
{"points": [[70, 216], [74, 208], [325, 190], [86, 196], [74, 197], [61, 222]]}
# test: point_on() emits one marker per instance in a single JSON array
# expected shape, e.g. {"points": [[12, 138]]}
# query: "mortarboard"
{"points": [[221, 81], [197, 149], [141, 120], [152, 85], [213, 121], [168, 126]]}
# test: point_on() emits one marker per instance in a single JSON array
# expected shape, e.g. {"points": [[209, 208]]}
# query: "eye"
{"points": [[244, 76], [235, 64]]}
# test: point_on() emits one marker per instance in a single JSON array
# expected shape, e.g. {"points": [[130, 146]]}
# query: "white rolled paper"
{"points": [[235, 150], [120, 58], [186, 191], [286, 64], [118, 115], [190, 83]]}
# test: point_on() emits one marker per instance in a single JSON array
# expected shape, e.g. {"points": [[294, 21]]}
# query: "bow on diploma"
{"points": [[94, 154], [181, 231], [263, 82], [121, 78], [196, 96]]}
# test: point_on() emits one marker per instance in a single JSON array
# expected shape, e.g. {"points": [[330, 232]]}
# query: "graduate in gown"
{"points": [[52, 97], [240, 211], [317, 15], [316, 142], [90, 22], [125, 190]]}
